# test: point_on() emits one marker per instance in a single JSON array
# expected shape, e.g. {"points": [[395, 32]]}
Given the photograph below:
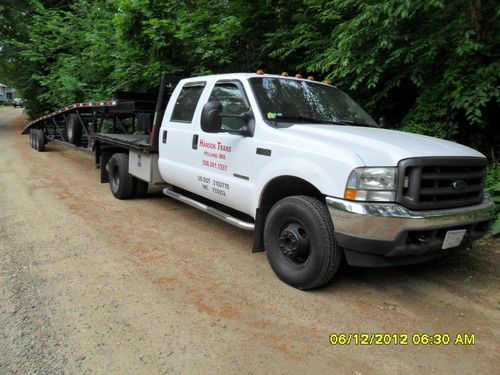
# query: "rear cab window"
{"points": [[186, 103]]}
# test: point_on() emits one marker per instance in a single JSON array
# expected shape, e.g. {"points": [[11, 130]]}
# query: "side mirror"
{"points": [[211, 119], [382, 122], [249, 121]]}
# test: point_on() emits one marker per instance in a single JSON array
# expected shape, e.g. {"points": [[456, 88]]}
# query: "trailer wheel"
{"points": [[32, 138], [299, 242], [140, 188], [120, 181], [74, 129], [39, 140]]}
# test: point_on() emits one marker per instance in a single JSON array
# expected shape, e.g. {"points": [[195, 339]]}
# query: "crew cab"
{"points": [[308, 170]]}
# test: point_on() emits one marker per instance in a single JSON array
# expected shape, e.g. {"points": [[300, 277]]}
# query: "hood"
{"points": [[380, 147]]}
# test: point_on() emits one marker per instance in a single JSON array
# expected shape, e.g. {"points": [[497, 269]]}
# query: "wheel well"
{"points": [[277, 189], [285, 186]]}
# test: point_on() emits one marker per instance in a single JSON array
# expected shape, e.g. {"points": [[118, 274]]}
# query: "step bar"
{"points": [[209, 210]]}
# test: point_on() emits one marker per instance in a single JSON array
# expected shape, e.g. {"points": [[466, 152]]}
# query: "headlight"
{"points": [[372, 184]]}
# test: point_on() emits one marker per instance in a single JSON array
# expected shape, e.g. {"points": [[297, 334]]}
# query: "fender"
{"points": [[328, 181]]}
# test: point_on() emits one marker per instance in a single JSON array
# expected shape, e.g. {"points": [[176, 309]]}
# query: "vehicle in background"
{"points": [[18, 102]]}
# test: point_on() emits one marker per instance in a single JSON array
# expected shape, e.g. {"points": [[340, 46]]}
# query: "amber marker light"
{"points": [[285, 74], [298, 75], [260, 71], [310, 78], [327, 81], [350, 194]]}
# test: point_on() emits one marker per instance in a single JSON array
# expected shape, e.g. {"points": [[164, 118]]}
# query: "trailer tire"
{"points": [[140, 188], [39, 140], [32, 139], [299, 242], [74, 129], [120, 181]]}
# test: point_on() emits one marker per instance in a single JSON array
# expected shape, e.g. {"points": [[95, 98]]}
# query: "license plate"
{"points": [[453, 238]]}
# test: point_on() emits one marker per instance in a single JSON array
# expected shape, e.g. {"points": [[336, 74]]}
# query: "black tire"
{"points": [[140, 188], [300, 244], [39, 140], [35, 139], [32, 139], [74, 129], [120, 181]]}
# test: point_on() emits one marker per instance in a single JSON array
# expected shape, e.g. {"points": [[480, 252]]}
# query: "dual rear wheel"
{"points": [[37, 139], [123, 184]]}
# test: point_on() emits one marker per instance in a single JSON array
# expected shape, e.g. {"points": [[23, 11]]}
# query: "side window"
{"points": [[186, 103], [233, 103]]}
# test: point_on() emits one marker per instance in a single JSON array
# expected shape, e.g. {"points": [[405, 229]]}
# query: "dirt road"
{"points": [[91, 284]]}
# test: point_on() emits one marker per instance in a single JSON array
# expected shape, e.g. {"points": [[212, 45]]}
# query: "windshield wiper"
{"points": [[351, 122], [309, 119]]}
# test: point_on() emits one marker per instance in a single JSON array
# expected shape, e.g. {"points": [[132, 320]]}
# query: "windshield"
{"points": [[290, 100]]}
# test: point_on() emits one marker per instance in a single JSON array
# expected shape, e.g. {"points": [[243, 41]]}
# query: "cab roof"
{"points": [[241, 76]]}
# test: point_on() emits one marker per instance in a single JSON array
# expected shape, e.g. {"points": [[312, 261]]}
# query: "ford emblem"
{"points": [[459, 185]]}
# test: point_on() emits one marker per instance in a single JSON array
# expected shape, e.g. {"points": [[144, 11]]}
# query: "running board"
{"points": [[209, 210]]}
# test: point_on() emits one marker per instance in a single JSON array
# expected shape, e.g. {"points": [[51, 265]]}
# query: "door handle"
{"points": [[194, 144], [164, 137]]}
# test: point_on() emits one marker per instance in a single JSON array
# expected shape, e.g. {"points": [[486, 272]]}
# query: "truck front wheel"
{"points": [[299, 242], [120, 181]]}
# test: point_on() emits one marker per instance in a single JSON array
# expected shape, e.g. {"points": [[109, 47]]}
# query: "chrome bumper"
{"points": [[384, 221]]}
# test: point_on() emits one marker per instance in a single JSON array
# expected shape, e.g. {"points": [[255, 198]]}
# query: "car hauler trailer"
{"points": [[129, 122], [298, 162]]}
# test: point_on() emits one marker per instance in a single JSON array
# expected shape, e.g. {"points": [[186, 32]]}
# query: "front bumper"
{"points": [[383, 234]]}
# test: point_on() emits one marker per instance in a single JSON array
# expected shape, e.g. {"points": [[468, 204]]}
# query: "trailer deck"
{"points": [[130, 121], [133, 141]]}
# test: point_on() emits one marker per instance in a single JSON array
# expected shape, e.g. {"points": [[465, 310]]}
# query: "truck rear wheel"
{"points": [[120, 181], [299, 242], [74, 129]]}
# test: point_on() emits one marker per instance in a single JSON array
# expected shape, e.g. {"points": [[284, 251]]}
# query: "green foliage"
{"points": [[493, 188]]}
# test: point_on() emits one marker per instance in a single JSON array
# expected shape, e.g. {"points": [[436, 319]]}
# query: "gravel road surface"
{"points": [[94, 285]]}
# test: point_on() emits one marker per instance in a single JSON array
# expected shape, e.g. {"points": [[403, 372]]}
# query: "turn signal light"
{"points": [[350, 194], [260, 71]]}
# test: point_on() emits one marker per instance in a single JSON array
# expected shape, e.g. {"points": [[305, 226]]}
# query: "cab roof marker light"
{"points": [[298, 75], [285, 74], [260, 72], [311, 78]]}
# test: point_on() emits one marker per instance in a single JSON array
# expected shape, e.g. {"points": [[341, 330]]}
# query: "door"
{"points": [[176, 134], [224, 160]]}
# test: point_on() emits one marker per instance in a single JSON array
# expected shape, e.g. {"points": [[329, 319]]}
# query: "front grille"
{"points": [[434, 182]]}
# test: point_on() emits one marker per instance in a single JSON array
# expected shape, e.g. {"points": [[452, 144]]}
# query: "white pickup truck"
{"points": [[308, 170]]}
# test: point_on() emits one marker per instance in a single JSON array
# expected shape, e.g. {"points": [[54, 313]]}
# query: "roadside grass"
{"points": [[5, 107]]}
